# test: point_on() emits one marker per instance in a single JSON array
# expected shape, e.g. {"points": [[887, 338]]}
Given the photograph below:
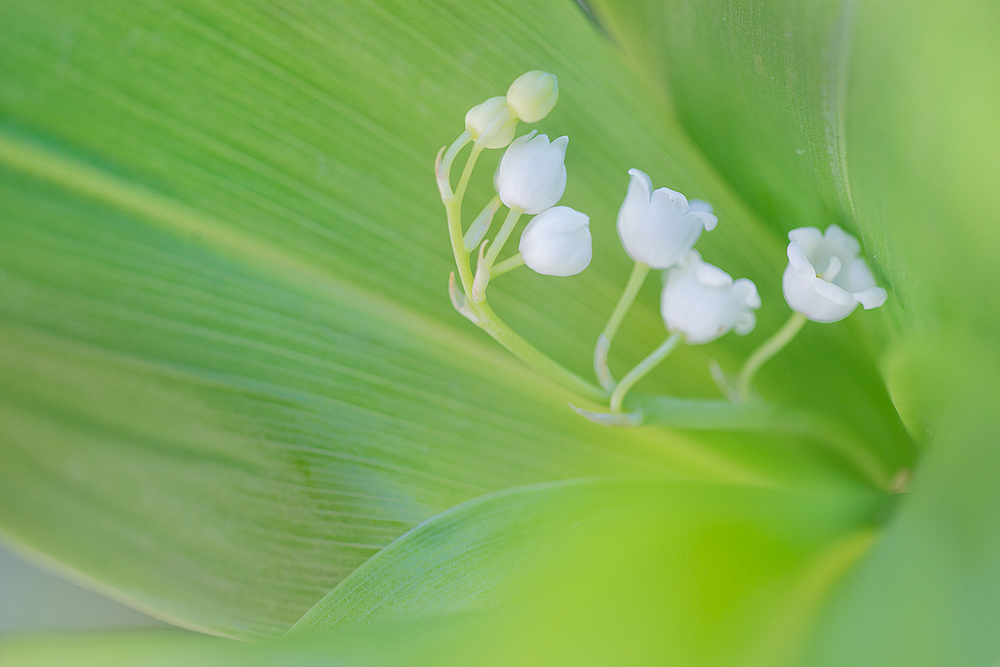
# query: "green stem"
{"points": [[463, 181], [762, 354], [635, 281], [534, 358], [449, 156], [513, 216], [483, 315], [508, 264], [699, 414], [453, 209], [640, 371]]}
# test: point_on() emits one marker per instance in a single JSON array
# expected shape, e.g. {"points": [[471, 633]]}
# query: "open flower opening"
{"points": [[703, 302], [826, 278], [659, 227]]}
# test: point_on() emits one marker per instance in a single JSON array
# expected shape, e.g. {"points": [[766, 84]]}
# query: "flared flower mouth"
{"points": [[826, 277], [658, 227], [704, 302]]}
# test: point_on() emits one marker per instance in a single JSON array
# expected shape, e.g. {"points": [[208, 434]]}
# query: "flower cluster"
{"points": [[825, 279], [658, 229]]}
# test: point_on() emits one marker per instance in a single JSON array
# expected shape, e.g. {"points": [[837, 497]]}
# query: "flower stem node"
{"points": [[557, 242], [826, 278], [533, 95], [659, 227], [703, 302], [532, 173], [491, 123]]}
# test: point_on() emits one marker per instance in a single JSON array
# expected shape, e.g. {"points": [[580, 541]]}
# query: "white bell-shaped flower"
{"points": [[533, 95], [557, 242], [826, 278], [491, 118], [702, 301], [660, 227], [532, 173]]}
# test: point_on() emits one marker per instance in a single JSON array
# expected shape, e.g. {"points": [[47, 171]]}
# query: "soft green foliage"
{"points": [[503, 546], [930, 592], [230, 375], [748, 564]]}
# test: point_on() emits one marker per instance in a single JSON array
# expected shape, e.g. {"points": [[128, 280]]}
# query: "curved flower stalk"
{"points": [[825, 280], [699, 303], [531, 179], [657, 228]]}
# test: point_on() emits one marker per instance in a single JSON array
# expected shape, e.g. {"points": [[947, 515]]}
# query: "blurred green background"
{"points": [[233, 391], [35, 600]]}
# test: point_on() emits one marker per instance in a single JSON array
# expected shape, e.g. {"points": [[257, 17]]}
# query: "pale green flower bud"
{"points": [[532, 95], [490, 120]]}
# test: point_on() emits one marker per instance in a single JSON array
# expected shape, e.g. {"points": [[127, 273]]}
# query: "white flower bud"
{"points": [[533, 95], [532, 173], [826, 278], [702, 301], [557, 242], [491, 118], [660, 227]]}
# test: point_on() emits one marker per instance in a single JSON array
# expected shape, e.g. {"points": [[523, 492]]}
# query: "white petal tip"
{"points": [[873, 297]]}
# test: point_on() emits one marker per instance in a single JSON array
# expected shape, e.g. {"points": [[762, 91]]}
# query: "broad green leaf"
{"points": [[678, 573], [929, 592], [759, 86], [922, 172], [909, 114], [706, 562], [816, 115], [230, 372], [927, 595]]}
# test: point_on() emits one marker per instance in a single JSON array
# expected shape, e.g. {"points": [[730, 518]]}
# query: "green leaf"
{"points": [[716, 556], [921, 175], [929, 591], [893, 127], [759, 86], [229, 372], [817, 115], [669, 569]]}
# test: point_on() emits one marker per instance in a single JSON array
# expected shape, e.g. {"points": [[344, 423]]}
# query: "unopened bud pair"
{"points": [[530, 98]]}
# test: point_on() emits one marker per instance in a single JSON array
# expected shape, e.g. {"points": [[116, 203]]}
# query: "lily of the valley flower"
{"points": [[533, 95], [492, 122], [660, 227], [702, 302], [826, 278], [532, 173], [557, 242]]}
